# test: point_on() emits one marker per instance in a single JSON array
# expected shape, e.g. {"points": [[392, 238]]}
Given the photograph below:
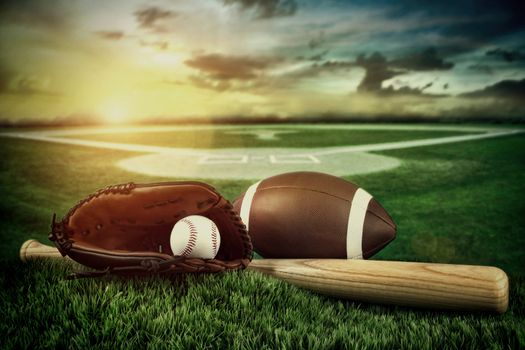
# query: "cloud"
{"points": [[30, 85], [337, 65], [481, 68], [507, 55], [315, 57], [116, 35], [24, 85], [425, 60], [314, 70], [152, 18], [409, 91], [377, 71], [318, 57], [266, 8], [317, 41], [204, 82], [483, 21], [52, 15], [506, 89], [223, 67], [110, 34], [15, 83], [223, 72]]}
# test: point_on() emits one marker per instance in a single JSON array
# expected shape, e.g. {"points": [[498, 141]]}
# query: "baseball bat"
{"points": [[426, 285]]}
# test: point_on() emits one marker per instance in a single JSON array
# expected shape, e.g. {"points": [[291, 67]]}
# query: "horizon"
{"points": [[124, 62]]}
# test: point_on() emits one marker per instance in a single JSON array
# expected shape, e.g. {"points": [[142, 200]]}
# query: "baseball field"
{"points": [[454, 191]]}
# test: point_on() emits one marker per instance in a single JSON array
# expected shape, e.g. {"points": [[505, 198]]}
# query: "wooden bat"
{"points": [[426, 285]]}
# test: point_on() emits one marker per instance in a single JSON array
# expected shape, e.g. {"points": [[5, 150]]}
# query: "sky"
{"points": [[125, 61]]}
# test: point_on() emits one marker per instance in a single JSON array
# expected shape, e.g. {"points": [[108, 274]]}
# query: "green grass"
{"points": [[459, 203], [300, 139], [230, 311]]}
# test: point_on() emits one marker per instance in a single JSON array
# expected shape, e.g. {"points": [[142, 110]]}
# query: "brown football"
{"points": [[313, 215]]}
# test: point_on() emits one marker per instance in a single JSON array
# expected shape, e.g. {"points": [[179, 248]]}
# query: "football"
{"points": [[313, 215]]}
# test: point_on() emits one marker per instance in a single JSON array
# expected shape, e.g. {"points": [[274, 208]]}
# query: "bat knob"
{"points": [[25, 246]]}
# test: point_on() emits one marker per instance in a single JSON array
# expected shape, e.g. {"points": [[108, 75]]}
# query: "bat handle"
{"points": [[32, 248]]}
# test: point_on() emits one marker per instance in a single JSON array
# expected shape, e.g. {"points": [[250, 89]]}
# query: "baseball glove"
{"points": [[125, 229]]}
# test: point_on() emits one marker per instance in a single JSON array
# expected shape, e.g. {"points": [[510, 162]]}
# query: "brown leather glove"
{"points": [[125, 229]]}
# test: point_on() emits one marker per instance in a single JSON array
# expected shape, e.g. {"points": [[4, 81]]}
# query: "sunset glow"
{"points": [[124, 61]]}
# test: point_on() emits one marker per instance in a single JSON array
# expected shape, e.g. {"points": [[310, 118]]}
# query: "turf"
{"points": [[302, 138], [231, 311], [458, 203]]}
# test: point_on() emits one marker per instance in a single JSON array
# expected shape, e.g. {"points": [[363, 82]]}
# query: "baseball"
{"points": [[195, 236]]}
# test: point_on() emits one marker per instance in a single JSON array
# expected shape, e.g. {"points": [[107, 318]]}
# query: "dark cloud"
{"points": [[507, 55], [318, 57], [25, 85], [336, 65], [377, 70], [404, 90], [48, 14], [221, 72], [505, 89], [316, 69], [30, 85], [152, 18], [17, 83], [409, 91], [425, 60], [266, 8], [477, 22], [222, 67], [110, 34], [317, 41], [481, 68], [239, 73]]}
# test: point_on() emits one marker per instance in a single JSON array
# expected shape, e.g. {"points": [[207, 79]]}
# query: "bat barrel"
{"points": [[441, 286]]}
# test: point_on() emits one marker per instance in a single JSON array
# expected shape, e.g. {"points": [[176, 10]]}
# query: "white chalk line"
{"points": [[50, 136], [415, 143], [256, 163]]}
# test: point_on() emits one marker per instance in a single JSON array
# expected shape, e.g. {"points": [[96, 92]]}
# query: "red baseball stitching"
{"points": [[192, 241], [214, 238]]}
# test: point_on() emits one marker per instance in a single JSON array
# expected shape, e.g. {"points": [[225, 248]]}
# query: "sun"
{"points": [[115, 114]]}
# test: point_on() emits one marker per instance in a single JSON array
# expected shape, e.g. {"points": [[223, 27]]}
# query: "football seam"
{"points": [[377, 248], [391, 224], [326, 193], [301, 188]]}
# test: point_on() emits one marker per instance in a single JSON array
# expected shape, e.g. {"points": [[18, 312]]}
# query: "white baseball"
{"points": [[195, 236]]}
